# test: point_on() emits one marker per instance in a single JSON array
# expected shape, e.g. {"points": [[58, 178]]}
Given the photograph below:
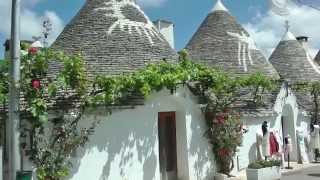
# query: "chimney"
{"points": [[303, 40], [166, 28]]}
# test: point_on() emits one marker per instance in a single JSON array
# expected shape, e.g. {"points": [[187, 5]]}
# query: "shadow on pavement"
{"points": [[314, 175]]}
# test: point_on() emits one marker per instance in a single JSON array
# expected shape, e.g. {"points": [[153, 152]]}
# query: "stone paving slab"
{"points": [[296, 169]]}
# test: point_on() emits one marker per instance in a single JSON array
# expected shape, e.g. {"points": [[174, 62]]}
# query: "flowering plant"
{"points": [[225, 136], [55, 139]]}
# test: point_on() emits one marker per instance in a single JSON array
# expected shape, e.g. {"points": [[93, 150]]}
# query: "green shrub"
{"points": [[264, 164], [255, 165]]}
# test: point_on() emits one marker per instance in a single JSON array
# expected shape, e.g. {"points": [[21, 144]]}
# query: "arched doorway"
{"points": [[288, 128]]}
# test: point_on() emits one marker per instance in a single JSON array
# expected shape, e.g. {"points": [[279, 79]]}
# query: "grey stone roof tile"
{"points": [[114, 37], [293, 64], [222, 42], [317, 58]]}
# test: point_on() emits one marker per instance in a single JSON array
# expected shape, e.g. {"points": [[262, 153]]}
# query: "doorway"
{"points": [[167, 145], [288, 128]]}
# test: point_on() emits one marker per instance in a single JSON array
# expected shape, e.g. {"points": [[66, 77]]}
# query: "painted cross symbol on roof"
{"points": [[245, 44], [115, 9]]}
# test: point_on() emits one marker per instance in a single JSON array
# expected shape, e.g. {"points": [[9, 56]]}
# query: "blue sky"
{"points": [[265, 27], [186, 14]]}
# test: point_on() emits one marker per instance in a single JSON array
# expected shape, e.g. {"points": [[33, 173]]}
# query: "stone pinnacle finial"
{"points": [[219, 7], [288, 35], [287, 25]]}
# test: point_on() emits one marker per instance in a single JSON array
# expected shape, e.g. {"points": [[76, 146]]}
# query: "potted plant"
{"points": [[264, 170]]}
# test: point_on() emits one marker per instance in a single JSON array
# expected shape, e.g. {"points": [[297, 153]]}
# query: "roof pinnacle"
{"points": [[219, 7], [288, 35]]}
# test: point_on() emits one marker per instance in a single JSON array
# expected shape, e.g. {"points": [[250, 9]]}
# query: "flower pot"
{"points": [[269, 173], [24, 175]]}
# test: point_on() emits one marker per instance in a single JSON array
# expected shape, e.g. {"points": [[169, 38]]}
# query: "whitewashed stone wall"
{"points": [[294, 119], [125, 144]]}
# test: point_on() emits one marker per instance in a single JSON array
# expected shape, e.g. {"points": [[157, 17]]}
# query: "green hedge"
{"points": [[264, 164]]}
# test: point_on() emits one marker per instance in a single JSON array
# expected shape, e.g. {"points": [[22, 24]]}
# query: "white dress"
{"points": [[315, 138], [259, 146], [288, 147], [266, 145]]}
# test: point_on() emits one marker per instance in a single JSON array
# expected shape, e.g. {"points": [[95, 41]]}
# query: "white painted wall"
{"points": [[247, 151], [284, 106], [298, 119], [303, 124], [200, 156], [125, 144]]}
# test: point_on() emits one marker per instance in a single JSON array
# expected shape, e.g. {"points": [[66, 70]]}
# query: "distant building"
{"points": [[6, 45]]}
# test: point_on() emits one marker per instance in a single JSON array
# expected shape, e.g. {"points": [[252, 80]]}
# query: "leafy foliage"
{"points": [[225, 135], [4, 86], [53, 140], [264, 164]]}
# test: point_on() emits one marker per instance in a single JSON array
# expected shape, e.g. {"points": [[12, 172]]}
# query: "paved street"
{"points": [[312, 173]]}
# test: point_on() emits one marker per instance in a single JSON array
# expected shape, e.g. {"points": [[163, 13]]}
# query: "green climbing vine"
{"points": [[4, 81], [54, 131]]}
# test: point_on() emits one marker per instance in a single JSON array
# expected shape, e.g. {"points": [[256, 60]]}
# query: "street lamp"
{"points": [[13, 122]]}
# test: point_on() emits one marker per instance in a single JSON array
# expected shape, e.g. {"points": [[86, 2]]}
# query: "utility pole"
{"points": [[13, 124]]}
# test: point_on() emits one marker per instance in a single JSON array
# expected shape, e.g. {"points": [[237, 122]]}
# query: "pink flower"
{"points": [[223, 152], [220, 118], [36, 84], [33, 51]]}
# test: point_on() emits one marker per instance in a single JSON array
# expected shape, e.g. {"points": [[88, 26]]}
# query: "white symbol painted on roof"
{"points": [[312, 63], [245, 44], [114, 9]]}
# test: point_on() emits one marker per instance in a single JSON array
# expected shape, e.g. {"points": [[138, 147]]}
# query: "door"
{"points": [[167, 145]]}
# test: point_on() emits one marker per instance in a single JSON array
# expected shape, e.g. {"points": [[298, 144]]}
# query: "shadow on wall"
{"points": [[248, 150], [123, 147], [200, 148], [253, 153]]}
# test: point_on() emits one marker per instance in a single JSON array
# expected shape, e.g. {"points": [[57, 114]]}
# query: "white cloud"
{"points": [[31, 22], [267, 30], [151, 3]]}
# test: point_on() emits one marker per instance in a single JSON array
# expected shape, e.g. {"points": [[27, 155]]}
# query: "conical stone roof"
{"points": [[317, 58], [114, 37], [293, 62], [222, 42]]}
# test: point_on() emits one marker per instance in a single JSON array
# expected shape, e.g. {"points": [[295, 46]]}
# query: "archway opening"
{"points": [[288, 129]]}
